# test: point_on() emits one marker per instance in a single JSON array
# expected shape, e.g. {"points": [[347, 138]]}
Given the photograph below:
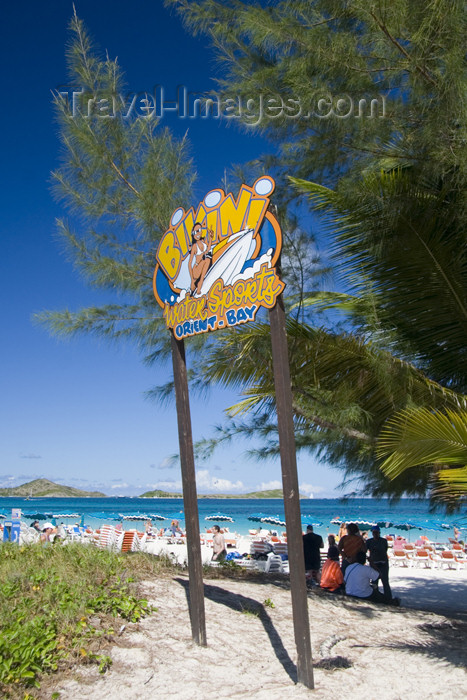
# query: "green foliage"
{"points": [[423, 437], [268, 603], [410, 51], [47, 599], [396, 214], [404, 234], [121, 178]]}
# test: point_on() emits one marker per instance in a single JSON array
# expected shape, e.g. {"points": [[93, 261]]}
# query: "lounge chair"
{"points": [[423, 558], [447, 559], [107, 537], [280, 548], [130, 541], [273, 564], [399, 557], [28, 535], [260, 547]]}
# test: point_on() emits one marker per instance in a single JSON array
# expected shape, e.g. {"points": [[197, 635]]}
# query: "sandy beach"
{"points": [[359, 649]]}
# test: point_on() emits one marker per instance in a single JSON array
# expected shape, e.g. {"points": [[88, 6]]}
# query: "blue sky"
{"points": [[74, 412]]}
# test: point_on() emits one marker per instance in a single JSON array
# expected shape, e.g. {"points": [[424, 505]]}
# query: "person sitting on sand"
{"points": [[35, 525], [350, 544], [332, 578], [358, 579], [218, 545]]}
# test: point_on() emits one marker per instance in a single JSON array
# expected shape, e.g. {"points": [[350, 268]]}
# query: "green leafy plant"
{"points": [[47, 599]]}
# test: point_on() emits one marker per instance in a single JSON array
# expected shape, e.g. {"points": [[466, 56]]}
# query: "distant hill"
{"points": [[272, 493], [160, 494], [42, 488]]}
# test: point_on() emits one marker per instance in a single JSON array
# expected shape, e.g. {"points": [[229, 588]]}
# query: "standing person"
{"points": [[218, 545], [350, 544], [312, 544], [377, 547]]}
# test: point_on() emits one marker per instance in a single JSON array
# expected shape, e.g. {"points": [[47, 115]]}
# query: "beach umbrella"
{"points": [[220, 517], [156, 516], [257, 517], [63, 516], [102, 515], [361, 522], [37, 516], [273, 520]]}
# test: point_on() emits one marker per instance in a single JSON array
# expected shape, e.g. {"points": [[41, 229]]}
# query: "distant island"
{"points": [[272, 493], [43, 488]]}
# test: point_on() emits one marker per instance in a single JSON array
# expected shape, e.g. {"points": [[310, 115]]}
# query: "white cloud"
{"points": [[211, 483], [30, 456], [121, 485], [310, 489], [269, 485]]}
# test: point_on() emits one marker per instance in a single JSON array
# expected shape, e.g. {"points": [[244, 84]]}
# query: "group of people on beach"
{"points": [[346, 568]]}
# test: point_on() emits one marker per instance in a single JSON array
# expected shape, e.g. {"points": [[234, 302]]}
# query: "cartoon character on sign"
{"points": [[216, 263], [200, 259]]}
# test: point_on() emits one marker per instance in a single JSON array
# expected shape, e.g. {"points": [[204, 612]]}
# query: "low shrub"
{"points": [[57, 606]]}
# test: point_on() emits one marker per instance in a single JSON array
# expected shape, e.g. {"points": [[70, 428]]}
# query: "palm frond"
{"points": [[424, 437]]}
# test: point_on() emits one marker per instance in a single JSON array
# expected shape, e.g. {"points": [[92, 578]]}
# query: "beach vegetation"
{"points": [[389, 192], [120, 179], [58, 607], [386, 186]]}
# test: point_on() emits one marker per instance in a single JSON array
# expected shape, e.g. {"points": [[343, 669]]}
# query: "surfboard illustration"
{"points": [[228, 264], [228, 256]]}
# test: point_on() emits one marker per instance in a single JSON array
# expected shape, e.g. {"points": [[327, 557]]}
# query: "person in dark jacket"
{"points": [[377, 548], [312, 543]]}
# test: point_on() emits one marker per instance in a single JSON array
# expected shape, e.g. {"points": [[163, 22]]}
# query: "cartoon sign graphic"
{"points": [[215, 266]]}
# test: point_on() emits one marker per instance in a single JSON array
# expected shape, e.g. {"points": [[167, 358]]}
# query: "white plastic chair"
{"points": [[273, 564]]}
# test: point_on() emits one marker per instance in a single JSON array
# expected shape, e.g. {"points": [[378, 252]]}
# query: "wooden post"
{"points": [[291, 494], [190, 497]]}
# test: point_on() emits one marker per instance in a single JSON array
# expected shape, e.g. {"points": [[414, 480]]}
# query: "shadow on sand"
{"points": [[243, 604]]}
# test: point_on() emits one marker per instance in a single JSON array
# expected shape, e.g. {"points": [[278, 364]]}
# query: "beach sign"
{"points": [[216, 262]]}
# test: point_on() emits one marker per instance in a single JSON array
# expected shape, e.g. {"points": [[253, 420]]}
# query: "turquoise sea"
{"points": [[411, 517]]}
